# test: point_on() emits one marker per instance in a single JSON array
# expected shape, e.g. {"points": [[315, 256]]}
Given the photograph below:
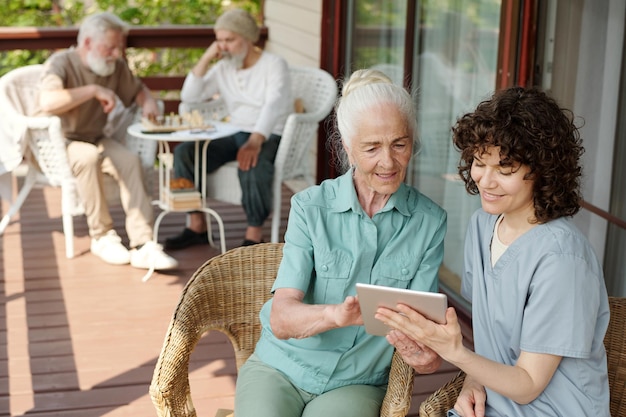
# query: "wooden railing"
{"points": [[32, 38], [605, 215]]}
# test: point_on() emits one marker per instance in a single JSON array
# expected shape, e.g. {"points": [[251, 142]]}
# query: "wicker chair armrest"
{"points": [[397, 400], [442, 400], [170, 391], [306, 118]]}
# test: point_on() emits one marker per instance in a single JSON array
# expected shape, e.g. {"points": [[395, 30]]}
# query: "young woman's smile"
{"points": [[503, 189]]}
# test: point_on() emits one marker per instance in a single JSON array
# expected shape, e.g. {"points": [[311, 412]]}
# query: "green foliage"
{"points": [[63, 13], [381, 13]]}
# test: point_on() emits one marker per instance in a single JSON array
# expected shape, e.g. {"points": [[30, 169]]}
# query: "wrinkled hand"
{"points": [[423, 359], [106, 97], [348, 313], [248, 154], [471, 400]]}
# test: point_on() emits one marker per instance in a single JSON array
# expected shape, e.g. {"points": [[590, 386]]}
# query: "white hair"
{"points": [[365, 89], [97, 25]]}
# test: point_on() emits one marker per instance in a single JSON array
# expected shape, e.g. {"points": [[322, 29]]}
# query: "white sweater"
{"points": [[258, 98]]}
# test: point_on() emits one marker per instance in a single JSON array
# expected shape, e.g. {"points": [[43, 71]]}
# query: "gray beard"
{"points": [[235, 60], [99, 65]]}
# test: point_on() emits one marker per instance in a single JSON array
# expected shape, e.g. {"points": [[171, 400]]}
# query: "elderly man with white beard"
{"points": [[255, 87], [81, 86]]}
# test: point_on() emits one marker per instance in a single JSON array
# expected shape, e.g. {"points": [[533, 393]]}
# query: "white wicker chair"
{"points": [[317, 90], [43, 146]]}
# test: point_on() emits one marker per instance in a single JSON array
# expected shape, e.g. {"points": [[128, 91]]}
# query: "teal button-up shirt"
{"points": [[330, 245]]}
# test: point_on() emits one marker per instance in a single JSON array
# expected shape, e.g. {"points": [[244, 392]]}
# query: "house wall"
{"points": [[295, 30], [596, 101]]}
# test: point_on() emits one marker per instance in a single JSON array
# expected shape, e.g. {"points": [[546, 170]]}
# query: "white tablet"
{"points": [[430, 304]]}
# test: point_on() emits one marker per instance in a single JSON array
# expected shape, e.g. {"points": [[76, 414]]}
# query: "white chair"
{"points": [[317, 91], [43, 146]]}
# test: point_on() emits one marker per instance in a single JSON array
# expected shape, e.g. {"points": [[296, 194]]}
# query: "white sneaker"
{"points": [[151, 254], [109, 248]]}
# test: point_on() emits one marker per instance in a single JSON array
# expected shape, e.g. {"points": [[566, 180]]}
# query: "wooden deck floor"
{"points": [[80, 338]]}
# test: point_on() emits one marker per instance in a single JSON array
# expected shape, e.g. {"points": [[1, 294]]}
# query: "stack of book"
{"points": [[183, 199]]}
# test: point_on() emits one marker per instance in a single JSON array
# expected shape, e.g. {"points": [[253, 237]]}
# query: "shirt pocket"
{"points": [[395, 272], [332, 270]]}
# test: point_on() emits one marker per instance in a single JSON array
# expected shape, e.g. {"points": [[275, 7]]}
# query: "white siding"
{"points": [[295, 34], [295, 30]]}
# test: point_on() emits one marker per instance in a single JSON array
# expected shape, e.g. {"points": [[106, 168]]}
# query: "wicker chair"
{"points": [[226, 294], [444, 398], [615, 344]]}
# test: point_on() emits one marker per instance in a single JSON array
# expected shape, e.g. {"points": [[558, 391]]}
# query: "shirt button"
{"points": [[324, 268], [404, 271]]}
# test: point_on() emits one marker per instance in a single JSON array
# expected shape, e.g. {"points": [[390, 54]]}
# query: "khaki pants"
{"points": [[88, 163]]}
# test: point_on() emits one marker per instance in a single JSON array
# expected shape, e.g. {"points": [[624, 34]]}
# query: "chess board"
{"points": [[176, 122]]}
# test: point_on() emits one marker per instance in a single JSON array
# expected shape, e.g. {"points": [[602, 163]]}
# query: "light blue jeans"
{"points": [[262, 391]]}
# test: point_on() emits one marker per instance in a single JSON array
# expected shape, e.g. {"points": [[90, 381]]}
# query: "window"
{"points": [[451, 67]]}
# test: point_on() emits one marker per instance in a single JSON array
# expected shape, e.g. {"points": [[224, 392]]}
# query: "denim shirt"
{"points": [[330, 245]]}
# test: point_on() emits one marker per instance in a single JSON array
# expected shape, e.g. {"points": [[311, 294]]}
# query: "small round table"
{"points": [[166, 197]]}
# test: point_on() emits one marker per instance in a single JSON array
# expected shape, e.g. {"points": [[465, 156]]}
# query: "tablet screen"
{"points": [[430, 304]]}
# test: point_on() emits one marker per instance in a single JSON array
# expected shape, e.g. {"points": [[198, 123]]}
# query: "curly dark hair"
{"points": [[531, 129]]}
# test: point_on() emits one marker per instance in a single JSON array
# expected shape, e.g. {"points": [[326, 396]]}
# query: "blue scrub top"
{"points": [[546, 294]]}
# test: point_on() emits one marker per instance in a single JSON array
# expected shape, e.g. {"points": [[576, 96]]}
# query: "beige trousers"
{"points": [[89, 163]]}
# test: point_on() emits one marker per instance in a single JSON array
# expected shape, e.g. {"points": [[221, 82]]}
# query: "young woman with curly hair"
{"points": [[539, 304]]}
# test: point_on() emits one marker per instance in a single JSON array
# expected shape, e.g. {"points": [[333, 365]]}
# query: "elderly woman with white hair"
{"points": [[314, 357]]}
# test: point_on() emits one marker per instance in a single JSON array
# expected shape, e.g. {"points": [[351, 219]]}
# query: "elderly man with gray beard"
{"points": [[255, 86], [81, 85]]}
